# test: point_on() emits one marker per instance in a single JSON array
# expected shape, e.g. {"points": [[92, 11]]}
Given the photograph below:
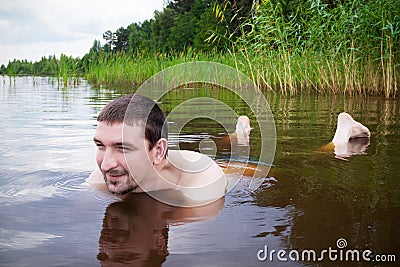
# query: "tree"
{"points": [[134, 38], [110, 38], [121, 39], [180, 6], [182, 34], [93, 54], [3, 69], [163, 23], [209, 29]]}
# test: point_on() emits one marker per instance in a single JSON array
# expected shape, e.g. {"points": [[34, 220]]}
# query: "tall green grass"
{"points": [[353, 48], [280, 72], [131, 70], [66, 70]]}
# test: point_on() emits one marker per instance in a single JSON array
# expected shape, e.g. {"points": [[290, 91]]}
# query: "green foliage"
{"points": [[110, 38], [65, 69], [181, 25], [124, 70], [316, 26], [344, 46], [286, 46]]}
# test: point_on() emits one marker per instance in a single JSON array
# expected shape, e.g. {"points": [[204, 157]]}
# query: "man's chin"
{"points": [[121, 191], [120, 186]]}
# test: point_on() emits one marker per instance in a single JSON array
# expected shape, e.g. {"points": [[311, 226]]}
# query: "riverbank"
{"points": [[349, 48], [283, 72]]}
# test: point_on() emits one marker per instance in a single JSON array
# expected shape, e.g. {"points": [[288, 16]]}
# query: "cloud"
{"points": [[32, 29]]}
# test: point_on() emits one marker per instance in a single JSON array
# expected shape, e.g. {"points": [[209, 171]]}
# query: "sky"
{"points": [[30, 29]]}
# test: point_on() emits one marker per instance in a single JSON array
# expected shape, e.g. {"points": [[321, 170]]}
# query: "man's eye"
{"points": [[100, 146], [124, 149]]}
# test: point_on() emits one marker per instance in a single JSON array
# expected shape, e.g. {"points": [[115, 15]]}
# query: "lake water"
{"points": [[49, 215]]}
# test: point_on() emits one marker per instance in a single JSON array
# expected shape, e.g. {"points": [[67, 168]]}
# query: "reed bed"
{"points": [[131, 70], [290, 74], [346, 47], [282, 72], [352, 49]]}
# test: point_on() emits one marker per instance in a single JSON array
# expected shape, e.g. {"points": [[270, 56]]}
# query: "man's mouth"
{"points": [[113, 176]]}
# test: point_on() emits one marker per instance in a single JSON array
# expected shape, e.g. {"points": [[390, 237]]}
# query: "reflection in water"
{"points": [[135, 231], [351, 138], [241, 136], [352, 147], [355, 146], [357, 200], [49, 217]]}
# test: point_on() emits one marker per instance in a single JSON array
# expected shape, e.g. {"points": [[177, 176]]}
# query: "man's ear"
{"points": [[159, 150]]}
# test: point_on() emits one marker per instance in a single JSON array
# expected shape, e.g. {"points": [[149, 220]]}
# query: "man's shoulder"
{"points": [[201, 177], [193, 163]]}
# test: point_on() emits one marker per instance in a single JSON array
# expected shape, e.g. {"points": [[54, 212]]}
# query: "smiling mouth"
{"points": [[113, 179], [114, 176]]}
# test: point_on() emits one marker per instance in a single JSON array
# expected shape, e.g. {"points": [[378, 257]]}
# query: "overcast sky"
{"points": [[30, 29]]}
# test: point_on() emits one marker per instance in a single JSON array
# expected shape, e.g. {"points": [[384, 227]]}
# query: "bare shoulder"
{"points": [[194, 164], [201, 177], [96, 177]]}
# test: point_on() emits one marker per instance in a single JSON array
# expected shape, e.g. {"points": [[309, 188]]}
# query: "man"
{"points": [[131, 138]]}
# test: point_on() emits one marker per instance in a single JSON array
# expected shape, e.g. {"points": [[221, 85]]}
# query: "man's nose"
{"points": [[109, 161]]}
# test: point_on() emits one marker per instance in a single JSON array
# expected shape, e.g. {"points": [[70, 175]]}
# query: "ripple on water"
{"points": [[17, 188], [12, 239]]}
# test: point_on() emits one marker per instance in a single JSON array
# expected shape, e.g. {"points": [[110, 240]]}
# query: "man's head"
{"points": [[137, 110], [131, 140]]}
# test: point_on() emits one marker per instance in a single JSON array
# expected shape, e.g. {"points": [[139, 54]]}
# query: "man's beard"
{"points": [[128, 185], [128, 190]]}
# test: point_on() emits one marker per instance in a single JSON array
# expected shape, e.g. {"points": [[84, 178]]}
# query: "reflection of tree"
{"points": [[328, 198], [325, 205], [328, 216], [135, 231]]}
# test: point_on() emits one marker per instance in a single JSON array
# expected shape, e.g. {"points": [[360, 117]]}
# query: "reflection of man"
{"points": [[135, 231], [132, 155]]}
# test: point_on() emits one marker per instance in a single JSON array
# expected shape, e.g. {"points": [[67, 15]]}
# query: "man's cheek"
{"points": [[99, 157]]}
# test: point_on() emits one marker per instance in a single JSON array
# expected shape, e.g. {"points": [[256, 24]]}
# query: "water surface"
{"points": [[49, 216]]}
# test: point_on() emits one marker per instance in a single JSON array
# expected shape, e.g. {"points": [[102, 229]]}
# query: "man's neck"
{"points": [[166, 176]]}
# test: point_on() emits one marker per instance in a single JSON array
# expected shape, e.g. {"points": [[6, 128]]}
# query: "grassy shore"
{"points": [[347, 48], [281, 72]]}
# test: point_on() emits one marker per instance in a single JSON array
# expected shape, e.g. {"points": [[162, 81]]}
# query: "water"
{"points": [[49, 216]]}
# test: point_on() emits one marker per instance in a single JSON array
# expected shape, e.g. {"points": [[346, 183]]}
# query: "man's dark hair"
{"points": [[133, 109]]}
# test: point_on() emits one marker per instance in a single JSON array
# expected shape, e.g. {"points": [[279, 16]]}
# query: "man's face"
{"points": [[123, 163]]}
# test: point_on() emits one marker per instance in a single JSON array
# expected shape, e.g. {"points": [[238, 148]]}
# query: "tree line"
{"points": [[182, 24], [338, 40]]}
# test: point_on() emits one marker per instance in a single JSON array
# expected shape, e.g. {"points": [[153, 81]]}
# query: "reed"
{"points": [[291, 74], [353, 49], [281, 72], [131, 70], [66, 71], [350, 49]]}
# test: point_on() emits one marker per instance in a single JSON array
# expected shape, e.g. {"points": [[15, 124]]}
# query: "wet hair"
{"points": [[136, 109]]}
